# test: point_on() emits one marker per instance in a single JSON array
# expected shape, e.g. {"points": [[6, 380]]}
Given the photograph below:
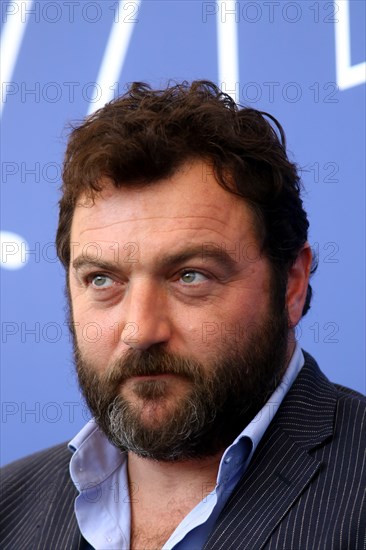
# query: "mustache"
{"points": [[151, 362]]}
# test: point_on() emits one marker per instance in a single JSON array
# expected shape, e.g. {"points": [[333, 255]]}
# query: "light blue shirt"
{"points": [[99, 472]]}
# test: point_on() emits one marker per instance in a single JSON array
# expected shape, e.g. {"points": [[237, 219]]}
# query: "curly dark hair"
{"points": [[146, 134]]}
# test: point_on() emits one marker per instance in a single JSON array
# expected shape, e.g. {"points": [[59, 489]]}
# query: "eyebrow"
{"points": [[84, 262], [209, 251], [205, 251]]}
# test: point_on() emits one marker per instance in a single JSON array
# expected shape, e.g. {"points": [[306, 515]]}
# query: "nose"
{"points": [[145, 316]]}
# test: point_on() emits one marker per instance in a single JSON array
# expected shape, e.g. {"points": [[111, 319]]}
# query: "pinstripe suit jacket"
{"points": [[304, 489]]}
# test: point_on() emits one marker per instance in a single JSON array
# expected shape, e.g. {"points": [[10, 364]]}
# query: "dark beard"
{"points": [[221, 399]]}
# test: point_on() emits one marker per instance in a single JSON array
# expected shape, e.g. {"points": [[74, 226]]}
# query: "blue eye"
{"points": [[189, 277], [101, 281]]}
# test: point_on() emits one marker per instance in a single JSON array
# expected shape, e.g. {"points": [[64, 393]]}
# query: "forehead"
{"points": [[188, 204]]}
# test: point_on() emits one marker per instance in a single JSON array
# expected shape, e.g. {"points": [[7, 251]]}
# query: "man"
{"points": [[184, 240]]}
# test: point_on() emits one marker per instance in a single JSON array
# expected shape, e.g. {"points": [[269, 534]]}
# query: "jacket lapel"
{"points": [[282, 467]]}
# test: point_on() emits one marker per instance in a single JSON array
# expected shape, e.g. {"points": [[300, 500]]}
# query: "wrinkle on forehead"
{"points": [[175, 219]]}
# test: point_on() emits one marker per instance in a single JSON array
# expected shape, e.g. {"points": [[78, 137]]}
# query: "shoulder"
{"points": [[37, 496], [32, 478], [351, 402], [315, 409], [349, 394], [37, 462], [345, 405], [350, 418], [319, 377]]}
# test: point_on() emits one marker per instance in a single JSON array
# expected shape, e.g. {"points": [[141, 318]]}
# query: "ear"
{"points": [[297, 284]]}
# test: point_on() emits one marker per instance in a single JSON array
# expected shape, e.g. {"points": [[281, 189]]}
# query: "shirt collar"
{"points": [[94, 457]]}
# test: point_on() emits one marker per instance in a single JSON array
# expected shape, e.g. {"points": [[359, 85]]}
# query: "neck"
{"points": [[172, 479]]}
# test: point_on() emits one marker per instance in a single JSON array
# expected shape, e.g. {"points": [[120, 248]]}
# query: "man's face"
{"points": [[177, 343]]}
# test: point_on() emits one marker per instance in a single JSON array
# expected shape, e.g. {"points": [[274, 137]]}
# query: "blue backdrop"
{"points": [[304, 62]]}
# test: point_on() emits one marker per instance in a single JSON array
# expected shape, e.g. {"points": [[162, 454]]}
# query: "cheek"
{"points": [[206, 332], [97, 334]]}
